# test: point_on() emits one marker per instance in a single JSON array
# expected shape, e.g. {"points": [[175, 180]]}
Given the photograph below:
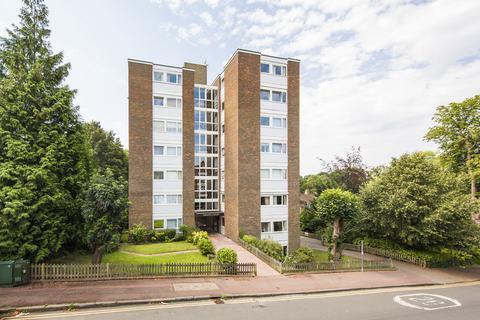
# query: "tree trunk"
{"points": [[98, 255], [337, 231]]}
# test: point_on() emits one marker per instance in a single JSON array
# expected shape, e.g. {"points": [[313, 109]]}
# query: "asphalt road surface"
{"points": [[459, 302]]}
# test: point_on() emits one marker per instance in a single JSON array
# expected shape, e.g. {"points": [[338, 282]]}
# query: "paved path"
{"points": [[458, 302], [263, 269]]}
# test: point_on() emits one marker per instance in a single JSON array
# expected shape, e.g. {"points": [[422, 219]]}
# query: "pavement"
{"points": [[117, 292], [459, 302]]}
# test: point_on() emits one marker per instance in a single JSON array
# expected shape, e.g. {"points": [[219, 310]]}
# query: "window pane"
{"points": [[277, 147], [171, 223], [265, 147], [277, 226], [172, 78], [284, 97], [171, 126], [265, 201], [277, 70], [158, 224], [277, 200], [265, 173], [158, 175], [172, 175], [265, 68], [265, 94], [171, 151], [265, 121], [277, 174], [158, 126], [179, 79], [158, 150], [157, 76], [265, 226], [276, 96], [158, 101], [277, 122], [158, 199], [171, 198], [171, 102]]}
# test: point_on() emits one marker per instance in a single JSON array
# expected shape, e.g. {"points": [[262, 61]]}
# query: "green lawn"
{"points": [[322, 256], [120, 257], [154, 248]]}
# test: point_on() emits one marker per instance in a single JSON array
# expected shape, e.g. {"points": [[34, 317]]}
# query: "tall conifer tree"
{"points": [[42, 153]]}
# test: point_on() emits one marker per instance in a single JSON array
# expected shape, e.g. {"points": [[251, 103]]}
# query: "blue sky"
{"points": [[372, 71]]}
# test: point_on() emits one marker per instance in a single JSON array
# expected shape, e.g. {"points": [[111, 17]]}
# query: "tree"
{"points": [[42, 151], [350, 172], [415, 202], [336, 206], [317, 183], [457, 132], [105, 205], [106, 150]]}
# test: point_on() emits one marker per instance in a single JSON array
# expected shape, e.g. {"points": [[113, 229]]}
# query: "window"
{"points": [[265, 226], [265, 68], [158, 199], [158, 175], [279, 226], [280, 200], [172, 102], [279, 122], [173, 126], [279, 174], [265, 147], [158, 101], [174, 175], [265, 173], [172, 223], [276, 96], [158, 150], [171, 151], [279, 148], [265, 121], [157, 76], [284, 97], [174, 78], [158, 126], [279, 70], [158, 224], [265, 94], [174, 198], [265, 200]]}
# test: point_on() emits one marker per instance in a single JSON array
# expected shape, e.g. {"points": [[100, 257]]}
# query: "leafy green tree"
{"points": [[104, 208], [415, 202], [317, 183], [336, 206], [457, 132], [106, 150], [42, 150]]}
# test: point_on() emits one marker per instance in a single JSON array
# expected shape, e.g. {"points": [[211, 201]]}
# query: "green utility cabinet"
{"points": [[14, 273]]}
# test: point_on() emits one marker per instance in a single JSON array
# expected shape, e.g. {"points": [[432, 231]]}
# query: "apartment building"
{"points": [[224, 156]]}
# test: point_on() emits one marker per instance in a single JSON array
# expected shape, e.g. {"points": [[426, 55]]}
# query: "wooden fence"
{"points": [[347, 265], [72, 272], [388, 254]]}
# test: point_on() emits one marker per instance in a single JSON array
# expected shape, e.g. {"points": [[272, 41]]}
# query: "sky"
{"points": [[372, 72]]}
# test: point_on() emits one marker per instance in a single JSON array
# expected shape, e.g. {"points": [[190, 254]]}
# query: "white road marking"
{"points": [[426, 301]]}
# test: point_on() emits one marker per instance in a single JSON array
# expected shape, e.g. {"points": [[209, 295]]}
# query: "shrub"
{"points": [[301, 255], [251, 240], [170, 234], [197, 235], [124, 237], [227, 255], [138, 234], [271, 248], [159, 236], [150, 235], [206, 246], [187, 230], [179, 237]]}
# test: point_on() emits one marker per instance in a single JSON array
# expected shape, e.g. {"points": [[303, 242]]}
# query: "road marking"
{"points": [[426, 301], [110, 310]]}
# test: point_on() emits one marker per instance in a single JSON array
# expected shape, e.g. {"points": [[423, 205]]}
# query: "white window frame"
{"points": [[283, 95], [271, 69], [178, 151]]}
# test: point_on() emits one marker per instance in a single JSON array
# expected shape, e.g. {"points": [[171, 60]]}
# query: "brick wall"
{"points": [[140, 143]]}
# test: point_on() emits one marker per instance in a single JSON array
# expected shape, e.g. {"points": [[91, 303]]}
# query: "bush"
{"points": [[187, 230], [170, 234], [159, 236], [197, 235], [301, 255], [206, 246], [227, 255], [179, 237], [124, 237], [138, 234], [251, 240]]}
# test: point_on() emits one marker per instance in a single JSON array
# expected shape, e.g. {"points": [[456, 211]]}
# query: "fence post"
{"points": [[108, 270], [43, 271]]}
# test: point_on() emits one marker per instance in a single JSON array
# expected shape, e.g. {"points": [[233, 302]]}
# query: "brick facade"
{"points": [[200, 76], [293, 155], [188, 147], [242, 145], [140, 143]]}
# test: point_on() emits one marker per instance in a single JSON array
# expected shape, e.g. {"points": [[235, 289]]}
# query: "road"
{"points": [[459, 302]]}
